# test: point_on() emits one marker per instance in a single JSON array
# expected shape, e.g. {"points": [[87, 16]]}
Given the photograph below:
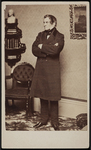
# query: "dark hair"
{"points": [[52, 18]]}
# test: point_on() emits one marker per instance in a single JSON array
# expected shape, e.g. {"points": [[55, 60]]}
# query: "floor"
{"points": [[16, 120]]}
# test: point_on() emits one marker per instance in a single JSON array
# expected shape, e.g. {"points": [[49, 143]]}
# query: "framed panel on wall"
{"points": [[78, 22]]}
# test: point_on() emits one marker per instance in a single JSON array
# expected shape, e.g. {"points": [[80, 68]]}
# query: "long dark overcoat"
{"points": [[46, 82]]}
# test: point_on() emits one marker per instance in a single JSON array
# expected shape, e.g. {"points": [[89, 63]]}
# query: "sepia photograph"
{"points": [[45, 75]]}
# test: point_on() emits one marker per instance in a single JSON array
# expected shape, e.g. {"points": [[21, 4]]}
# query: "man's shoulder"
{"points": [[60, 34], [40, 33]]}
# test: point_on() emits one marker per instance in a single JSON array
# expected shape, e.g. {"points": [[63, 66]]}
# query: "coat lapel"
{"points": [[51, 38], [43, 38]]}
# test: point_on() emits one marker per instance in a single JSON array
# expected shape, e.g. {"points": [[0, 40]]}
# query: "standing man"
{"points": [[46, 83]]}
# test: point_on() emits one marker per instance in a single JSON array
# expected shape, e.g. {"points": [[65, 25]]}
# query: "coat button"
{"points": [[46, 59]]}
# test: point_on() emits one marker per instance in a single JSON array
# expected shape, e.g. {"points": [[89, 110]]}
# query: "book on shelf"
{"points": [[16, 43], [8, 43], [12, 43]]}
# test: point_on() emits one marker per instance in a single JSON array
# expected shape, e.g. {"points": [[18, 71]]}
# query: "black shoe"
{"points": [[55, 126], [40, 124]]}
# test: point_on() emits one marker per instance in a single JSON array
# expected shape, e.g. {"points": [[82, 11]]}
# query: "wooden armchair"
{"points": [[21, 85]]}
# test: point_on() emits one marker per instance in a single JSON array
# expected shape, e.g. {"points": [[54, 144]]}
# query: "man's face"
{"points": [[47, 24]]}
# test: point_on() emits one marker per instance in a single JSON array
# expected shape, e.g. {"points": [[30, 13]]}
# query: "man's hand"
{"points": [[40, 46], [56, 44]]}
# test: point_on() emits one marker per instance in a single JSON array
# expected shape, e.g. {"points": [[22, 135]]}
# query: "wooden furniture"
{"points": [[13, 46], [21, 85]]}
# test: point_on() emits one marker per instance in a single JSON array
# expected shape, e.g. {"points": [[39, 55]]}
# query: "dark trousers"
{"points": [[49, 110]]}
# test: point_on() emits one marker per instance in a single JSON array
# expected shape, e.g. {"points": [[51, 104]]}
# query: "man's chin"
{"points": [[47, 29]]}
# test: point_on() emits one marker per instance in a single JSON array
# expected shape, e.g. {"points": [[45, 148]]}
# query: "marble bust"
{"points": [[11, 17]]}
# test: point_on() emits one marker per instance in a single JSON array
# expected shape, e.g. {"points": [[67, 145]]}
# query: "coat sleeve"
{"points": [[35, 49], [52, 49]]}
